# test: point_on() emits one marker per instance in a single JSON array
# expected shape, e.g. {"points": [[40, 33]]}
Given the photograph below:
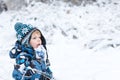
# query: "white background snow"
{"points": [[83, 42]]}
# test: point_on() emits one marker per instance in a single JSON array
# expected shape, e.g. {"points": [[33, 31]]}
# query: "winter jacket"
{"points": [[27, 66]]}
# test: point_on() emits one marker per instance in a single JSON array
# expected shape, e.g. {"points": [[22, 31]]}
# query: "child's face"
{"points": [[35, 40]]}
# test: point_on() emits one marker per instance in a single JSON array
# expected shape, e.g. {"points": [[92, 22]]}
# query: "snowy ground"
{"points": [[83, 42]]}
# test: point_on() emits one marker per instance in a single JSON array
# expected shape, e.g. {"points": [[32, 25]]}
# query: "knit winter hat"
{"points": [[23, 31]]}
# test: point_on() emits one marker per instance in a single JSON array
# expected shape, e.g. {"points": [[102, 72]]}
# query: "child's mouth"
{"points": [[38, 45]]}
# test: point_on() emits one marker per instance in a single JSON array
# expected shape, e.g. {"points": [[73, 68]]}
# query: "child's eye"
{"points": [[34, 38]]}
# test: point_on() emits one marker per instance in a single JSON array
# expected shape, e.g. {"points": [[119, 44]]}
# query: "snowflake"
{"points": [[24, 30]]}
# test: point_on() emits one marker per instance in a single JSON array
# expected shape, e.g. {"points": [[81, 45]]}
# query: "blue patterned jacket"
{"points": [[26, 61]]}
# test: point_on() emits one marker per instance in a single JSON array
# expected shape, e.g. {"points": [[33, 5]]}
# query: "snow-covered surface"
{"points": [[83, 42]]}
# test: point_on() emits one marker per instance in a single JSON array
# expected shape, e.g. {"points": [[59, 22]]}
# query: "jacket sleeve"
{"points": [[13, 52]]}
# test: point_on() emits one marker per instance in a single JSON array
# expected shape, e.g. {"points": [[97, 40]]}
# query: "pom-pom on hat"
{"points": [[23, 31]]}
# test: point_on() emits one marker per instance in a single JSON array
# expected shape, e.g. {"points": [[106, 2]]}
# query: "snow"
{"points": [[83, 41]]}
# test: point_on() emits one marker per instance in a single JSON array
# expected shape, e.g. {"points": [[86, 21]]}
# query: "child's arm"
{"points": [[15, 50]]}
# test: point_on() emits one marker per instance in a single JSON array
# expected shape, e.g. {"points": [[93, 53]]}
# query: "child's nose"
{"points": [[38, 39]]}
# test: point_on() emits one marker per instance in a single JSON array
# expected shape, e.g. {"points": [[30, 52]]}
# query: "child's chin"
{"points": [[37, 46]]}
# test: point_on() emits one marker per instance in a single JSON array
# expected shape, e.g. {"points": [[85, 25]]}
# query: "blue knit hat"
{"points": [[23, 31]]}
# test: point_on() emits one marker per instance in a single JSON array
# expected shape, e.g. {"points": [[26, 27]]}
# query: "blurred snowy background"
{"points": [[83, 36]]}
